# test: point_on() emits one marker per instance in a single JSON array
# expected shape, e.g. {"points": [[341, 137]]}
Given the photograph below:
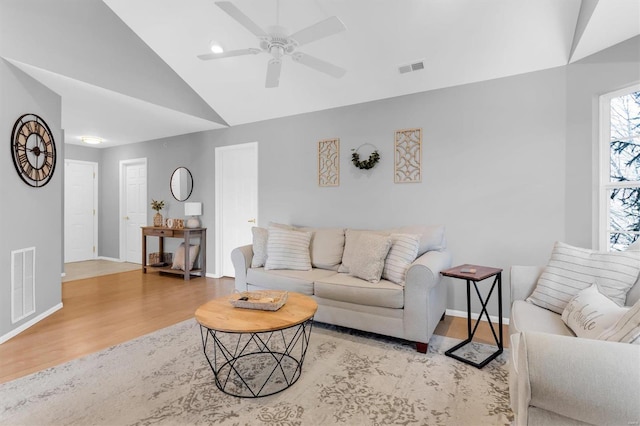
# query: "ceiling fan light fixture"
{"points": [[215, 47]]}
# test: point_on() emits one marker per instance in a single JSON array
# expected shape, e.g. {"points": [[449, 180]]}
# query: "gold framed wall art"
{"points": [[329, 162], [408, 156]]}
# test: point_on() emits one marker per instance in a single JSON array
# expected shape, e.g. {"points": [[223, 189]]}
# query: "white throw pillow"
{"points": [[627, 329], [589, 313], [404, 250], [179, 258], [288, 250], [368, 260], [572, 269], [431, 237], [260, 237]]}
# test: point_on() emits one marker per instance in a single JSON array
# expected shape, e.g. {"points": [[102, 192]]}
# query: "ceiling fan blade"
{"points": [[273, 73], [322, 29], [242, 19], [208, 56], [319, 64]]}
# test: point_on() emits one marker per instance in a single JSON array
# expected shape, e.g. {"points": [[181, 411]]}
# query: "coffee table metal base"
{"points": [[252, 365]]}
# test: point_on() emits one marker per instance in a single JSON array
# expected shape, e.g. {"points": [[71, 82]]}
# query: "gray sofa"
{"points": [[556, 378], [410, 311]]}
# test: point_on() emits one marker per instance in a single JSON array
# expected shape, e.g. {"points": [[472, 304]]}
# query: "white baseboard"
{"points": [[29, 323], [463, 314], [112, 259]]}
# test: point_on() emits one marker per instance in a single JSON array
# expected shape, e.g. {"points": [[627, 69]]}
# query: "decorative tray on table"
{"points": [[268, 300]]}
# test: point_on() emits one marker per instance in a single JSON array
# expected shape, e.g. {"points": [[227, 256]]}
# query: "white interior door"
{"points": [[80, 210], [236, 201], [133, 207]]}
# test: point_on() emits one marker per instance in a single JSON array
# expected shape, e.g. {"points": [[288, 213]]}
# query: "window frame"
{"points": [[604, 178]]}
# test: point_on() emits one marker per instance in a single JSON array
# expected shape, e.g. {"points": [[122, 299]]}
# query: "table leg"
{"points": [[187, 271], [144, 253]]}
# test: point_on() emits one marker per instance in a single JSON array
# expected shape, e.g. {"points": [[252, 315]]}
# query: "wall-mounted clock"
{"points": [[33, 149]]}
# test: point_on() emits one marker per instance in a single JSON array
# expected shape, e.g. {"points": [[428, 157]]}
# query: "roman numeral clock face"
{"points": [[34, 150]]}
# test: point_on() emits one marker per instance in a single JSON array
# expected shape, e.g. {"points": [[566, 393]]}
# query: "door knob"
{"points": [[251, 221], [126, 218]]}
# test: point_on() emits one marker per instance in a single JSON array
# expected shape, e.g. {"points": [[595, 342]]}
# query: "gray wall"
{"points": [[507, 165], [32, 217]]}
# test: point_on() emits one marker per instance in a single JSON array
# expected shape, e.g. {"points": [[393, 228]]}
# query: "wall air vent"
{"points": [[23, 280], [414, 66]]}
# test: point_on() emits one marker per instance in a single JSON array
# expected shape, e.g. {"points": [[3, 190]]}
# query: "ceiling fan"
{"points": [[278, 44]]}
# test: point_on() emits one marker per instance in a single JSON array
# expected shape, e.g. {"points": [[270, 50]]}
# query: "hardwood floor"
{"points": [[107, 310]]}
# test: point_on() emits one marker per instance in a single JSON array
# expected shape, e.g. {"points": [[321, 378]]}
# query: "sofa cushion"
{"points": [[346, 288], [368, 261], [327, 245], [589, 313], [431, 237], [179, 258], [260, 236], [286, 279], [627, 329], [288, 250], [404, 250], [572, 269], [351, 246], [526, 316]]}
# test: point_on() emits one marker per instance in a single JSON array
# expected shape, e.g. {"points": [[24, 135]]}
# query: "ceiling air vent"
{"points": [[415, 66]]}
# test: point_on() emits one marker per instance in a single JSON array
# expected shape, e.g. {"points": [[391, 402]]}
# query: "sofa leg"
{"points": [[422, 347], [442, 317]]}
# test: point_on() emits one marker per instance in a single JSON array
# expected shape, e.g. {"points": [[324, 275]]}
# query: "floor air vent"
{"points": [[23, 287]]}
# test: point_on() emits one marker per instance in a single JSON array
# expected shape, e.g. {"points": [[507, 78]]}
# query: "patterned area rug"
{"points": [[348, 377]]}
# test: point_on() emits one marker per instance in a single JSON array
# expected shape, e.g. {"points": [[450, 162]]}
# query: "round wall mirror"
{"points": [[181, 184]]}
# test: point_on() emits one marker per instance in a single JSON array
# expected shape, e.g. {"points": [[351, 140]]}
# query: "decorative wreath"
{"points": [[367, 164]]}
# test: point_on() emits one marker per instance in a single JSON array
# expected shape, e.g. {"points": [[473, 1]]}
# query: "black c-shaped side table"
{"points": [[475, 273]]}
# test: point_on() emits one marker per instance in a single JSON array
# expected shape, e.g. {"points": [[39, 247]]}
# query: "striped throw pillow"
{"points": [[627, 329], [572, 269], [288, 249], [404, 250]]}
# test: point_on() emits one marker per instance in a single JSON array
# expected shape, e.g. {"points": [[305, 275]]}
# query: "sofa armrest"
{"points": [[241, 258], [591, 381], [523, 281], [425, 270], [425, 295]]}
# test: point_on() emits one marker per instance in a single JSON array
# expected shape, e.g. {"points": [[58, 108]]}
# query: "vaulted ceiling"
{"points": [[127, 70]]}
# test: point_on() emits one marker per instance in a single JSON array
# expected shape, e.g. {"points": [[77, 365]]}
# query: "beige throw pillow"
{"points": [[572, 269], [260, 236], [351, 246], [589, 313], [368, 260], [404, 250], [288, 250], [327, 246], [179, 258]]}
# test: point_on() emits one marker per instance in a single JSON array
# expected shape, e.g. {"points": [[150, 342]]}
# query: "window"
{"points": [[620, 169]]}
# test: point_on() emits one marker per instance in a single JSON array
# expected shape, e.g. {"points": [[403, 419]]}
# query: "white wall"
{"points": [[506, 165], [32, 217]]}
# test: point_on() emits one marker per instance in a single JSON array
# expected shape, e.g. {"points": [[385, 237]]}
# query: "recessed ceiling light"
{"points": [[216, 48], [92, 140]]}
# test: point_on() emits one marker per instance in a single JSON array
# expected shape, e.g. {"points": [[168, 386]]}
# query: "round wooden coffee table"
{"points": [[255, 353]]}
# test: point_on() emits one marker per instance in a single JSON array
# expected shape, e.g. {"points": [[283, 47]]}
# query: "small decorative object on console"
{"points": [[157, 206]]}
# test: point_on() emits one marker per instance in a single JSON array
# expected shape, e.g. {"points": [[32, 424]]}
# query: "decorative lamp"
{"points": [[194, 210]]}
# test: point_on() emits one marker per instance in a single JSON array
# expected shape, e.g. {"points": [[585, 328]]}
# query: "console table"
{"points": [[186, 234]]}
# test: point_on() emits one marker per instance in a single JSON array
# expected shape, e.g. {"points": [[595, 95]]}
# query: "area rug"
{"points": [[348, 378]]}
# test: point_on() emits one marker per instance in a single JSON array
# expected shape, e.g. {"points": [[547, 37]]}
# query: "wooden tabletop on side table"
{"points": [[481, 273]]}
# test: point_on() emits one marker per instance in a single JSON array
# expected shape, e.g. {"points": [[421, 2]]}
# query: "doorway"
{"points": [[236, 201], [80, 210], [133, 208]]}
